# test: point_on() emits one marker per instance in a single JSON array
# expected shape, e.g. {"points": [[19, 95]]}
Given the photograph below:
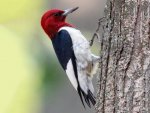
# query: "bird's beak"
{"points": [[68, 11]]}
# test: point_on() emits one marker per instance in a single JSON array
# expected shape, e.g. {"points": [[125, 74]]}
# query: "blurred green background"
{"points": [[31, 79]]}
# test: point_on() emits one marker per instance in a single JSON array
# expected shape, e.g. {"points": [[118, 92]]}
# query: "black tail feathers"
{"points": [[88, 98]]}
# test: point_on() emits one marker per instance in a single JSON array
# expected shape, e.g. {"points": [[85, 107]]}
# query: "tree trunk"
{"points": [[124, 76]]}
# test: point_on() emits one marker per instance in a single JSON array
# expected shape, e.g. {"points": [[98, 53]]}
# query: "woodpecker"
{"points": [[73, 52]]}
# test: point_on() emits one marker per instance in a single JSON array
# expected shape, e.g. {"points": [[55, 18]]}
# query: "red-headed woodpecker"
{"points": [[73, 52]]}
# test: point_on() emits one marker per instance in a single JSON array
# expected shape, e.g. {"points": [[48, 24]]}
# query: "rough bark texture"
{"points": [[124, 76]]}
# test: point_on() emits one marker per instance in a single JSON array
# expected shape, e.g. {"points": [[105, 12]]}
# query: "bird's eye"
{"points": [[57, 14]]}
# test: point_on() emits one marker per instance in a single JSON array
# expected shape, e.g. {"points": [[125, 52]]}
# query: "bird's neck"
{"points": [[54, 30]]}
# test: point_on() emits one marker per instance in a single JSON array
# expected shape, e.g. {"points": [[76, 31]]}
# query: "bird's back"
{"points": [[83, 61]]}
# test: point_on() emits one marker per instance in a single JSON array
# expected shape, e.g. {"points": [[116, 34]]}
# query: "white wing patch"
{"points": [[70, 73], [83, 81]]}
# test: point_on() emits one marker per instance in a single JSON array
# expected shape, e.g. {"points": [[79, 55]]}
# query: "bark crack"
{"points": [[108, 52]]}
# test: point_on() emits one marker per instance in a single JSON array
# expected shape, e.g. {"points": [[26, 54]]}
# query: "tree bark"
{"points": [[124, 75]]}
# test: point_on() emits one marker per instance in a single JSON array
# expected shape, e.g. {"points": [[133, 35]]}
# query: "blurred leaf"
{"points": [[18, 82], [44, 55], [12, 10]]}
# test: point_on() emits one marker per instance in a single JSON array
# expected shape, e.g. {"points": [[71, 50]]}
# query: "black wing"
{"points": [[63, 47], [62, 44]]}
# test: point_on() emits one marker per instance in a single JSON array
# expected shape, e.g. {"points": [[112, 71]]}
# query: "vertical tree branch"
{"points": [[125, 58]]}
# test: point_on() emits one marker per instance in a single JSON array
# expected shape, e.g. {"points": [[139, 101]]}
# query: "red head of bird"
{"points": [[54, 19]]}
